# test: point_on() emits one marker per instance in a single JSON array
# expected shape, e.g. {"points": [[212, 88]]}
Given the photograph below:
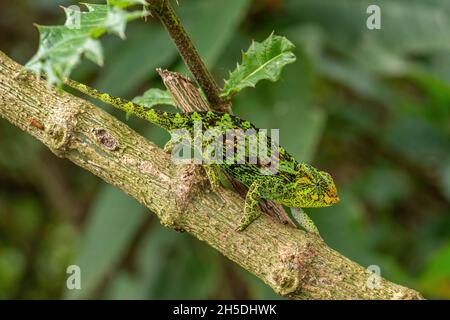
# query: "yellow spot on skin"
{"points": [[196, 117], [304, 180], [314, 196], [129, 106], [246, 125], [225, 121], [178, 118], [105, 97], [330, 200]]}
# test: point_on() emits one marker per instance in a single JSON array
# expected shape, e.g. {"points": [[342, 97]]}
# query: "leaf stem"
{"points": [[163, 10]]}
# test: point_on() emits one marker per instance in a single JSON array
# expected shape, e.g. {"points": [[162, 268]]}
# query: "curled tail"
{"points": [[160, 118]]}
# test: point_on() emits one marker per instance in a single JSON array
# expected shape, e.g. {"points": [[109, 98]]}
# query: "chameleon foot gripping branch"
{"points": [[294, 184]]}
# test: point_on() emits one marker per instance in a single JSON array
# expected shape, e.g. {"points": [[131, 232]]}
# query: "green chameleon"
{"points": [[296, 185]]}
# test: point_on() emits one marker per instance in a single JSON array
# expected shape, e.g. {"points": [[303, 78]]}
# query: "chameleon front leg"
{"points": [[251, 206], [304, 220]]}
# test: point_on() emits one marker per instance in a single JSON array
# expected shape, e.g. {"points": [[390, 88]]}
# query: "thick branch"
{"points": [[294, 264]]}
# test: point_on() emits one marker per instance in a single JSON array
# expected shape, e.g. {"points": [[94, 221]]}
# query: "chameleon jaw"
{"points": [[331, 200]]}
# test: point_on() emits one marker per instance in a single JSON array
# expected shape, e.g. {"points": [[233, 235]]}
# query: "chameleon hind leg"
{"points": [[251, 207], [180, 147], [304, 220], [176, 143], [213, 176]]}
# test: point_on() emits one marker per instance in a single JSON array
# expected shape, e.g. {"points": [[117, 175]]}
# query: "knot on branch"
{"points": [[187, 184], [294, 269], [105, 139], [62, 122]]}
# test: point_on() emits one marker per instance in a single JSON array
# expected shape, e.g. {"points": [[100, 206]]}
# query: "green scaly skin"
{"points": [[297, 185]]}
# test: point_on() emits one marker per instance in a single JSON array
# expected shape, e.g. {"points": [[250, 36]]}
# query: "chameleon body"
{"points": [[296, 185]]}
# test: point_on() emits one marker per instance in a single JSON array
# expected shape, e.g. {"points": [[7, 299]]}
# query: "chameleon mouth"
{"points": [[331, 200]]}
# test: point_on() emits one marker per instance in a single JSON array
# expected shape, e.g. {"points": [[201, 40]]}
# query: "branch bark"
{"points": [[295, 264]]}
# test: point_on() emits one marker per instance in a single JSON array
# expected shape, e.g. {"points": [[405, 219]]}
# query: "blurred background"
{"points": [[372, 107]]}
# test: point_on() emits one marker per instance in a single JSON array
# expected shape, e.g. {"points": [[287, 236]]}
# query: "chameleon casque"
{"points": [[295, 184]]}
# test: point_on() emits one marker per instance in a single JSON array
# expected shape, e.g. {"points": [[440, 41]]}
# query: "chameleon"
{"points": [[295, 184]]}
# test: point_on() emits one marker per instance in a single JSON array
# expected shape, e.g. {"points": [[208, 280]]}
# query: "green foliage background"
{"points": [[370, 107]]}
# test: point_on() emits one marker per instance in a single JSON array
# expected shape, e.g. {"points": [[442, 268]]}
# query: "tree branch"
{"points": [[295, 264], [164, 11]]}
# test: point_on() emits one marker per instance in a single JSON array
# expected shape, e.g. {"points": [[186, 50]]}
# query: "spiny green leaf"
{"points": [[263, 60], [61, 47], [154, 97], [126, 3]]}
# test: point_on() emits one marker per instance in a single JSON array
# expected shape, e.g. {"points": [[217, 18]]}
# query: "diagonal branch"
{"points": [[164, 11], [294, 264]]}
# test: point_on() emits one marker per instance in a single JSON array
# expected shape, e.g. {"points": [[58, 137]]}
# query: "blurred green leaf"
{"points": [[384, 186], [436, 276], [417, 140], [345, 23], [112, 224], [152, 256], [445, 181], [350, 237], [126, 3], [153, 97], [288, 106], [359, 80], [191, 271], [170, 265], [261, 61], [220, 27], [12, 266], [127, 287]]}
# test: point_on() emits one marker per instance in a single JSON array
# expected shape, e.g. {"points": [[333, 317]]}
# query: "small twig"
{"points": [[164, 11], [186, 95]]}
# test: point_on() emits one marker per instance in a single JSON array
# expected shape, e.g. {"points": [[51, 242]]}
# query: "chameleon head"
{"points": [[311, 189]]}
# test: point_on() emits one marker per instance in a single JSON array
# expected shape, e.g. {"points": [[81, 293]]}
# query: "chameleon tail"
{"points": [[160, 118]]}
